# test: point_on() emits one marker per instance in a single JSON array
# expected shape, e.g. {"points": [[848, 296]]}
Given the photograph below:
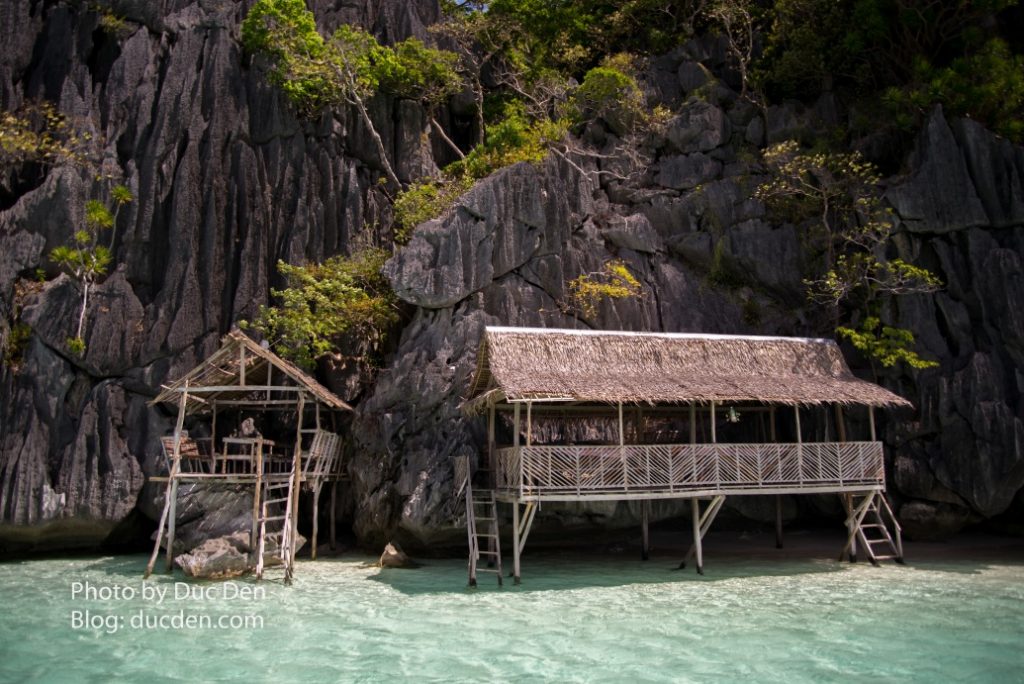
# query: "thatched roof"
{"points": [[219, 377], [517, 364]]}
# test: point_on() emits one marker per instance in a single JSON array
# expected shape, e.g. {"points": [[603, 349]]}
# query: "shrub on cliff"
{"points": [[344, 295]]}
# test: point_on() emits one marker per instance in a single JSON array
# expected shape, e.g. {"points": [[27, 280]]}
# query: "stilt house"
{"points": [[241, 379], [698, 417]]}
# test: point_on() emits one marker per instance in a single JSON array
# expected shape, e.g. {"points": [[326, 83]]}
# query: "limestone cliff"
{"points": [[228, 182]]}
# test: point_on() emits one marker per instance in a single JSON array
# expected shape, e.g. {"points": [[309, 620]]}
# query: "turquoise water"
{"points": [[590, 618]]}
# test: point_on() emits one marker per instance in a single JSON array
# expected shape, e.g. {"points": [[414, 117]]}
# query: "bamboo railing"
{"points": [[665, 470]]}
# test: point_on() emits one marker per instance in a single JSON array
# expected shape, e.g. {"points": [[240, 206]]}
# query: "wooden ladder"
{"points": [[872, 523], [271, 523], [482, 510]]}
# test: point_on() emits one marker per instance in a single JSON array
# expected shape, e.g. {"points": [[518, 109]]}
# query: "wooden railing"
{"points": [[645, 471]]}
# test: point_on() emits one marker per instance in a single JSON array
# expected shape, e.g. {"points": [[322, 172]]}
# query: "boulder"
{"points": [[394, 557], [218, 558]]}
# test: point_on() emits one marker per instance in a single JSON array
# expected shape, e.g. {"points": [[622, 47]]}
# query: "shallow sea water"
{"points": [[583, 618]]}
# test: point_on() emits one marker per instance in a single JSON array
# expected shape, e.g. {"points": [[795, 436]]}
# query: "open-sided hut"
{"points": [[667, 401], [244, 378]]}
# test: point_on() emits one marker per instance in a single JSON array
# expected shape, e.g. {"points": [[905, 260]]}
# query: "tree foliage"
{"points": [[613, 281], [321, 303], [85, 259], [350, 67], [835, 196]]}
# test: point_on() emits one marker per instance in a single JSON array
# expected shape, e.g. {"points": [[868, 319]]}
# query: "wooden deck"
{"points": [[663, 471]]}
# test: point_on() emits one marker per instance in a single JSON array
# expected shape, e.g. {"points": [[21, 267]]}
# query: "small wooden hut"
{"points": [[667, 401], [243, 378]]}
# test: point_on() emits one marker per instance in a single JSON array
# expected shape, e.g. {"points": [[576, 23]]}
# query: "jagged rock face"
{"points": [[227, 182], [956, 460]]}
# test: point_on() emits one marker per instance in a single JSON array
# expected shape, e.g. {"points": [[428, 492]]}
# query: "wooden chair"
{"points": [[192, 458]]}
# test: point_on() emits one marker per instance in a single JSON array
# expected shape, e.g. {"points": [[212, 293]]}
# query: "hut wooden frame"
{"points": [[630, 377], [242, 374]]}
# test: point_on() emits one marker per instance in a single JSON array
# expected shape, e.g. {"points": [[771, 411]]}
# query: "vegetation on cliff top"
{"points": [[540, 73]]}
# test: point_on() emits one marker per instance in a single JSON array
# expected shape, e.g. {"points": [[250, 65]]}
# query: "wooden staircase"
{"points": [[279, 525], [482, 532], [873, 525]]}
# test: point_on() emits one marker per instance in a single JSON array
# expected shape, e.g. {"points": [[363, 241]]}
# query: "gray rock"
{"points": [[693, 75], [632, 232], [394, 557], [923, 520], [219, 558], [699, 127], [940, 196], [782, 123], [687, 172]]}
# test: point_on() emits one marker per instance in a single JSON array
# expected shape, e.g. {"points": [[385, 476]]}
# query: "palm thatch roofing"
{"points": [[242, 370], [542, 364]]}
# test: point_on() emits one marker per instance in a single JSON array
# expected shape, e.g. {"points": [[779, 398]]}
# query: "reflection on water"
{"points": [[575, 618]]}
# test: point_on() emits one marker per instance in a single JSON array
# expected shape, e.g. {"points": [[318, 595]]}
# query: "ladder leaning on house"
{"points": [[278, 525], [871, 521], [481, 509]]}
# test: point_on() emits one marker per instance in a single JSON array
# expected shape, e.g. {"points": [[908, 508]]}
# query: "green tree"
{"points": [[613, 281], [321, 303], [835, 195], [85, 259], [349, 67]]}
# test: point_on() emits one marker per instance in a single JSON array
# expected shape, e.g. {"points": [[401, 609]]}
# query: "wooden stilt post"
{"points": [[515, 542], [778, 497], [334, 515], [799, 445], [316, 518], [171, 493], [296, 486], [256, 496], [778, 521], [491, 465], [645, 513], [871, 422], [172, 516], [695, 513]]}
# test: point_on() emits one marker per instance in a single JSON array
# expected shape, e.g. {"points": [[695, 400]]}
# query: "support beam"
{"points": [[871, 422], [693, 423], [701, 526], [334, 515], [172, 520], [171, 493], [316, 519], [840, 424], [778, 521], [529, 423], [296, 487], [491, 465], [645, 515], [515, 538], [714, 433], [622, 437], [695, 514], [257, 493]]}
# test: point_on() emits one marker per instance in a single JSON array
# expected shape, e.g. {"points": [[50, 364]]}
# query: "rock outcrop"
{"points": [[228, 182]]}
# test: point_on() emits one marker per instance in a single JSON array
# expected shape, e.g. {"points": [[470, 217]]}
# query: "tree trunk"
{"points": [[388, 171], [440, 131]]}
